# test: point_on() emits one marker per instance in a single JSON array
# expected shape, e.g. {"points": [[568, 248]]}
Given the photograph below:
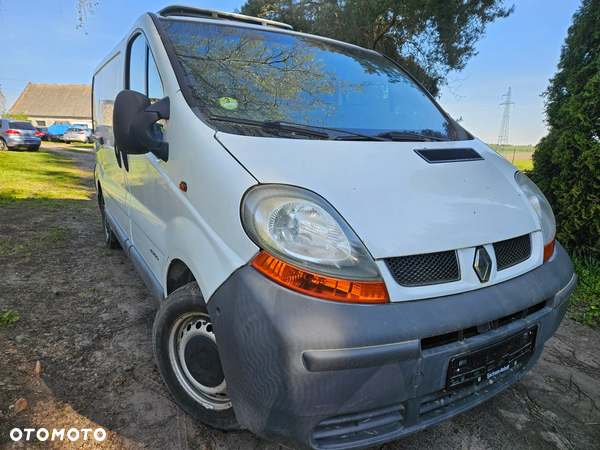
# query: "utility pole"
{"points": [[503, 137]]}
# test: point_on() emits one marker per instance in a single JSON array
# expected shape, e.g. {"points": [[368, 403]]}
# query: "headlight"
{"points": [[324, 255], [542, 208]]}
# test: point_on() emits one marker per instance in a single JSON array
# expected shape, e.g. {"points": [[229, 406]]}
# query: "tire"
{"points": [[110, 239], [34, 149], [67, 142], [184, 343], [3, 145]]}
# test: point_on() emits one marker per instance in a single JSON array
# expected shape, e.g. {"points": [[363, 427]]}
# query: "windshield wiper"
{"points": [[267, 124], [408, 136], [299, 128]]}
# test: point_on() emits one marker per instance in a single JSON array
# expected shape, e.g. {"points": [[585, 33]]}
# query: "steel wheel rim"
{"points": [[186, 327]]}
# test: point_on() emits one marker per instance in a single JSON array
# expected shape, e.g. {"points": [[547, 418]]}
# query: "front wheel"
{"points": [[109, 237], [187, 356]]}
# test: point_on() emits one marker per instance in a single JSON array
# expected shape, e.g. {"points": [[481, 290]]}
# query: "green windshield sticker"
{"points": [[228, 102]]}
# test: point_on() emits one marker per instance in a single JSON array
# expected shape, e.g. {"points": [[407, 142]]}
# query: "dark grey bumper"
{"points": [[311, 373]]}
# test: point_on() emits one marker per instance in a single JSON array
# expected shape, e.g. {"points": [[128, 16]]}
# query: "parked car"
{"points": [[338, 262], [75, 134], [82, 125], [57, 131], [45, 134], [18, 134]]}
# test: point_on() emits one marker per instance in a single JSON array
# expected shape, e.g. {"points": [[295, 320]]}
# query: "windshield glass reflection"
{"points": [[272, 76]]}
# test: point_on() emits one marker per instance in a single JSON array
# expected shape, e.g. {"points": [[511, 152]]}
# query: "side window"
{"points": [[137, 65], [155, 87]]}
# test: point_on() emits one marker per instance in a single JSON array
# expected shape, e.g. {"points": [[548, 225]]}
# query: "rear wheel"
{"points": [[110, 239], [3, 145], [34, 149], [188, 358]]}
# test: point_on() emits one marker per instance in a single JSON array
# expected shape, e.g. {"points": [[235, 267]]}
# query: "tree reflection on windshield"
{"points": [[266, 80], [263, 75]]}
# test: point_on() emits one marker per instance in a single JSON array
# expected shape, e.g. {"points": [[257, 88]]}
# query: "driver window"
{"points": [[137, 65]]}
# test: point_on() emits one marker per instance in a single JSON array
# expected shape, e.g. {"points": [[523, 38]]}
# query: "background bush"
{"points": [[567, 160]]}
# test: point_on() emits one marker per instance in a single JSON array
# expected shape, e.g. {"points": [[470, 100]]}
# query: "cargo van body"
{"points": [[325, 280]]}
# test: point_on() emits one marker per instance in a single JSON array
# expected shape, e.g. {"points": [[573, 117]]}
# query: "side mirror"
{"points": [[134, 117], [98, 138]]}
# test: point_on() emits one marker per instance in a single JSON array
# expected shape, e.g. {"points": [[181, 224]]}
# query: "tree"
{"points": [[2, 102], [24, 117], [429, 38], [85, 8], [567, 160]]}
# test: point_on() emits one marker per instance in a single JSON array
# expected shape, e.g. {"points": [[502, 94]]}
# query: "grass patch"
{"points": [[585, 301], [74, 150], [40, 180], [524, 165], [8, 317], [55, 237], [80, 145]]}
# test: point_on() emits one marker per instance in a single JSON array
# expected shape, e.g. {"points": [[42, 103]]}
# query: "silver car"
{"points": [[76, 134], [18, 134]]}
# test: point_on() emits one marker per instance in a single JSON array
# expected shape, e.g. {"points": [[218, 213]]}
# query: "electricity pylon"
{"points": [[503, 136]]}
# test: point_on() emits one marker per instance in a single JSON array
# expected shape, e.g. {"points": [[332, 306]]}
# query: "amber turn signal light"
{"points": [[548, 250], [319, 285]]}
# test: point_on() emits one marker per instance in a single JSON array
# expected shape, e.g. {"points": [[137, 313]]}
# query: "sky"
{"points": [[42, 44]]}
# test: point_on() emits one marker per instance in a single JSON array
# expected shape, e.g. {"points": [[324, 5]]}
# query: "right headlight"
{"points": [[307, 245], [542, 208]]}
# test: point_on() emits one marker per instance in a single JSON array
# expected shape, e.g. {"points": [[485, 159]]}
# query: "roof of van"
{"points": [[202, 13]]}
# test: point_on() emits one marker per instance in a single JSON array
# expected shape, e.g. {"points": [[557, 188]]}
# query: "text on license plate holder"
{"points": [[491, 361]]}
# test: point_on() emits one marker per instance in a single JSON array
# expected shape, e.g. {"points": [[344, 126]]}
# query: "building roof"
{"points": [[55, 100]]}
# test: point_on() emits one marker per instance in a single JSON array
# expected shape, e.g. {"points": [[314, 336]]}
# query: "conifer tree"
{"points": [[567, 160]]}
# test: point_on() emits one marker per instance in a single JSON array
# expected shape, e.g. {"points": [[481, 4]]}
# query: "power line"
{"points": [[503, 136]]}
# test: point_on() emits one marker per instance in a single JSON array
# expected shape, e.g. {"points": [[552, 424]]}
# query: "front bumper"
{"points": [[311, 373]]}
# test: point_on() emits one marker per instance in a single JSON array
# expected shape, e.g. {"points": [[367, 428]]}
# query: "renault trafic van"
{"points": [[338, 262]]}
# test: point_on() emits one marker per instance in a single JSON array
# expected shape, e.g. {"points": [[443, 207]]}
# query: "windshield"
{"points": [[269, 76], [21, 126]]}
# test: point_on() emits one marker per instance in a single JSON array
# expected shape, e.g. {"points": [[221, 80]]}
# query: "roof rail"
{"points": [[190, 11]]}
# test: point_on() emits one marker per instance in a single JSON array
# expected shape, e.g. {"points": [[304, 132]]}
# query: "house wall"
{"points": [[44, 121]]}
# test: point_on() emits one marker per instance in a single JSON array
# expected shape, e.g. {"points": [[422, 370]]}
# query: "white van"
{"points": [[338, 262]]}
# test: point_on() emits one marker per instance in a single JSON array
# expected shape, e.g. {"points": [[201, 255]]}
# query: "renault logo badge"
{"points": [[482, 264]]}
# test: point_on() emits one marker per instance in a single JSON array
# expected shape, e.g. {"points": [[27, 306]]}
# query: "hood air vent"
{"points": [[446, 155]]}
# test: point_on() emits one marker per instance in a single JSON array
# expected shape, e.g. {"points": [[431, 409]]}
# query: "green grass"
{"points": [[8, 317], [525, 165], [54, 237], [511, 148], [81, 145], [585, 301], [40, 180]]}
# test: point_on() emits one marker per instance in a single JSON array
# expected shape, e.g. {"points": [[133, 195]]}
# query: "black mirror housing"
{"points": [[134, 117]]}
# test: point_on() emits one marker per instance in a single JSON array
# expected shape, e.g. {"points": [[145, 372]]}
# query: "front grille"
{"points": [[512, 251], [343, 430], [461, 335], [425, 269]]}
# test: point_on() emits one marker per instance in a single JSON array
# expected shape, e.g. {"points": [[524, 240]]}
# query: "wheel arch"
{"points": [[178, 275]]}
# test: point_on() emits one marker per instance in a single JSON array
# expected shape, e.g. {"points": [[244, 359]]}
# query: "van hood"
{"points": [[397, 203]]}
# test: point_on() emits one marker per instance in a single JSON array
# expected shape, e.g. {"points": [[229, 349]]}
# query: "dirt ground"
{"points": [[87, 317]]}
